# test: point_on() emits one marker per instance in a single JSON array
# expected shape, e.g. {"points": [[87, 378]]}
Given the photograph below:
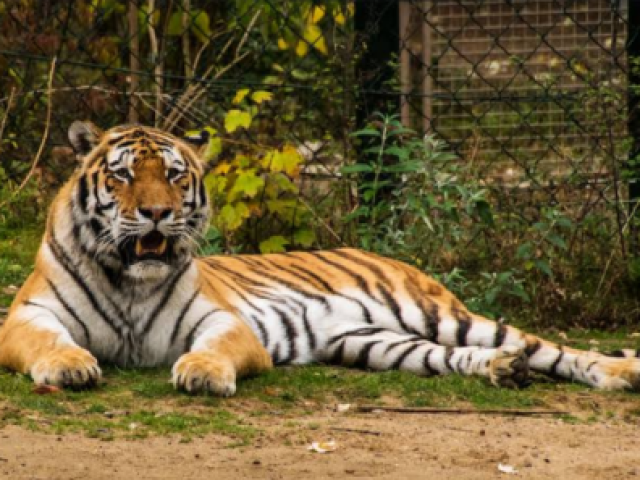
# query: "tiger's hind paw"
{"points": [[72, 367], [509, 368], [615, 374]]}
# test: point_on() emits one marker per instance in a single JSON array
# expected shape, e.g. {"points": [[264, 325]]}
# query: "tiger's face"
{"points": [[140, 199]]}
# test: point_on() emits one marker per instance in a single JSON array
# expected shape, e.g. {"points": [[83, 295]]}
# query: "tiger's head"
{"points": [[139, 202]]}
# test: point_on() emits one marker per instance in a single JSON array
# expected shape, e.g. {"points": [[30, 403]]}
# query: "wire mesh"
{"points": [[534, 92]]}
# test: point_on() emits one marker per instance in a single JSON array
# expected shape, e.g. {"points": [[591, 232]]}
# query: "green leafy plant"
{"points": [[255, 197]]}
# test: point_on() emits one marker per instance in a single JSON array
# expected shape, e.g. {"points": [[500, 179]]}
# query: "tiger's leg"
{"points": [[456, 326], [222, 349], [381, 349], [33, 341]]}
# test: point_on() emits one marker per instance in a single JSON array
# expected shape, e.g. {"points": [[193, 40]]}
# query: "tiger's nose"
{"points": [[155, 213]]}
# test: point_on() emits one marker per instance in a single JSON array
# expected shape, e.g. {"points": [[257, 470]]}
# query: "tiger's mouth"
{"points": [[153, 244], [154, 247]]}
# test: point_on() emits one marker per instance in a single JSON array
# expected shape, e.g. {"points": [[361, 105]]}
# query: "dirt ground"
{"points": [[379, 445]]}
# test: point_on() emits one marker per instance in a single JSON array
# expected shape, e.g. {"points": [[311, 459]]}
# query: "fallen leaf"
{"points": [[508, 469], [45, 389], [343, 407], [323, 447]]}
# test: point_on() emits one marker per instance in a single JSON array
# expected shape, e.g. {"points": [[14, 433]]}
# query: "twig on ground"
{"points": [[357, 430], [459, 411]]}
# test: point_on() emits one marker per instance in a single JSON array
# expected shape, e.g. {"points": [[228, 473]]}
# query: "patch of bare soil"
{"points": [[381, 445]]}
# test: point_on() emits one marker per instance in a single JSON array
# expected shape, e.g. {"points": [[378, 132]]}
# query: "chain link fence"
{"points": [[535, 93]]}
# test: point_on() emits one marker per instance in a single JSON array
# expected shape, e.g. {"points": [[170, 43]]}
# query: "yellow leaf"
{"points": [[240, 94], [313, 35], [317, 14], [350, 9], [236, 118], [222, 169], [302, 48], [339, 18], [260, 97], [282, 44]]}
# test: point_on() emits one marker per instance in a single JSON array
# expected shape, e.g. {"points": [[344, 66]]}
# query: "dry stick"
{"points": [[624, 231], [45, 135], [459, 411], [186, 40], [6, 113], [194, 92], [134, 60], [357, 430], [322, 222], [155, 58]]}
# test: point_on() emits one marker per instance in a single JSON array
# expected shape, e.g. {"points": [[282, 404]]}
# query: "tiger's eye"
{"points": [[122, 174]]}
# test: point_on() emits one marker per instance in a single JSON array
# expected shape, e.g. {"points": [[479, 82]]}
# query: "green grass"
{"points": [[17, 254], [138, 403]]}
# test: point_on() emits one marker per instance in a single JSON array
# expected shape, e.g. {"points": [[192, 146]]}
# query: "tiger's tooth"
{"points": [[139, 247], [163, 246]]}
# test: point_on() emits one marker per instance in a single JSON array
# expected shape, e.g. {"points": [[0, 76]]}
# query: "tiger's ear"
{"points": [[84, 136], [199, 140]]}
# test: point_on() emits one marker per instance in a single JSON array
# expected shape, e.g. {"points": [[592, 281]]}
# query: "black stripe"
{"points": [[448, 353], [169, 289], [360, 281], [393, 305], [553, 370], [530, 350], [83, 193], [392, 345], [290, 333], [231, 287], [429, 370], [67, 307], [365, 311], [181, 316], [362, 360], [311, 336], [400, 360], [616, 354], [338, 355], [203, 194], [431, 319], [290, 286], [316, 277], [188, 342], [63, 259], [500, 335], [275, 356], [464, 323], [263, 331], [378, 272], [356, 333], [96, 226]]}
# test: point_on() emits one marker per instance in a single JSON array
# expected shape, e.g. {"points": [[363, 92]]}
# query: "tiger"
{"points": [[117, 281]]}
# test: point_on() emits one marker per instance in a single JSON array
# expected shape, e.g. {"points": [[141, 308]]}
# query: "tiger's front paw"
{"points": [[509, 368], [202, 372], [72, 367]]}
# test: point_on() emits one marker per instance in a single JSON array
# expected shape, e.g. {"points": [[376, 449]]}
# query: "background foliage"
{"points": [[295, 161]]}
